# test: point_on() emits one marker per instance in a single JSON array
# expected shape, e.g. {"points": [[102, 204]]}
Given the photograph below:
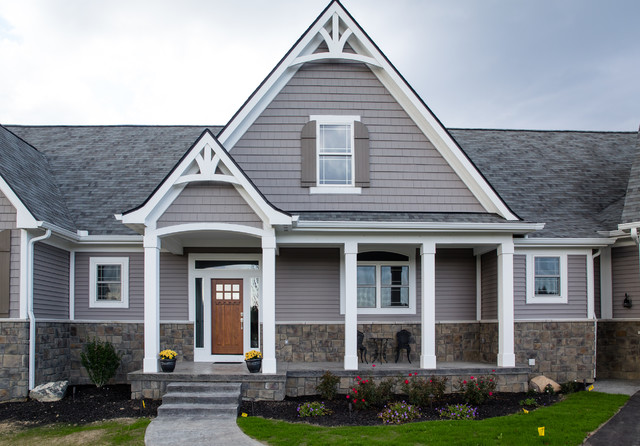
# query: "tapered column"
{"points": [[506, 355], [351, 306], [269, 364], [428, 285], [151, 303]]}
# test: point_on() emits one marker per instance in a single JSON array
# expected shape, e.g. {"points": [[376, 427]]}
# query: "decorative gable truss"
{"points": [[206, 162], [335, 36]]}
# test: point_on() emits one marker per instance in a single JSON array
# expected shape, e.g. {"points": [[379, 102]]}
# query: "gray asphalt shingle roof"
{"points": [[575, 182], [632, 200]]}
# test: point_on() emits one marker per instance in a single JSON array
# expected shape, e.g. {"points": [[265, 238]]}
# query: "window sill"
{"points": [[335, 190], [385, 311], [547, 300]]}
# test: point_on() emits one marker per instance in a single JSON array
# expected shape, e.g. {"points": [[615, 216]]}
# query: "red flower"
{"points": [[410, 375], [358, 378], [493, 370], [363, 400], [373, 365], [464, 382], [355, 391], [406, 381], [490, 393], [430, 380], [347, 396], [472, 377]]}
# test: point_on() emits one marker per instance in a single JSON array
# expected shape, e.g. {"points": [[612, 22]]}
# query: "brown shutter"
{"points": [[5, 271], [308, 154], [361, 137]]}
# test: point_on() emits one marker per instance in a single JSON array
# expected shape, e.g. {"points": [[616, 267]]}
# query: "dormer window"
{"points": [[334, 154]]}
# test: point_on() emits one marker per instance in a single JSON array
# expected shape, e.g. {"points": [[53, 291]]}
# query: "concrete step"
{"points": [[205, 397], [198, 410], [198, 387]]}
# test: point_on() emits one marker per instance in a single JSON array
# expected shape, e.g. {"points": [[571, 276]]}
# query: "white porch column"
{"points": [[151, 303], [269, 305], [428, 285], [351, 306], [506, 330]]}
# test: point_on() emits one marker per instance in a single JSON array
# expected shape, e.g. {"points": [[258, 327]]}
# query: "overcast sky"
{"points": [[534, 64]]}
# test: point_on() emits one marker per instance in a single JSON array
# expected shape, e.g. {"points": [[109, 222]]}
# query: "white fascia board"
{"points": [[391, 237], [24, 218], [564, 242], [517, 228], [628, 226]]}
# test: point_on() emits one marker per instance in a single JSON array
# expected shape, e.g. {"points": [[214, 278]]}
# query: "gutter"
{"points": [[594, 256], [515, 227], [31, 315]]}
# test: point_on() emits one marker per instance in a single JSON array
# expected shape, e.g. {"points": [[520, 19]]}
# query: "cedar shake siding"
{"points": [[8, 221], [209, 203], [406, 172], [575, 308], [455, 285], [50, 282], [626, 279], [174, 287], [489, 285]]}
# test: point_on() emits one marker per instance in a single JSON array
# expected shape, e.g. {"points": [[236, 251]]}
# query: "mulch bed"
{"points": [[81, 405], [501, 404]]}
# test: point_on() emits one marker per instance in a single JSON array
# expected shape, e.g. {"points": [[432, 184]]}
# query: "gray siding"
{"points": [[308, 284], [406, 172], [626, 279], [576, 307], [136, 289], [50, 282], [219, 203], [519, 282], [489, 284], [455, 285], [8, 221], [174, 287]]}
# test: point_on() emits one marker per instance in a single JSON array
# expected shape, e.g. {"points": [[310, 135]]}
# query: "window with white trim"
{"points": [[335, 154], [109, 282], [547, 278], [383, 280]]}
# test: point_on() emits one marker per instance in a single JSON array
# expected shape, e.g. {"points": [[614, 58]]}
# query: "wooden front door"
{"points": [[226, 317]]}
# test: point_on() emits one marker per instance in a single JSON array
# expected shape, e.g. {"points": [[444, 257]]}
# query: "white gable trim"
{"points": [[327, 28], [24, 218], [201, 163]]}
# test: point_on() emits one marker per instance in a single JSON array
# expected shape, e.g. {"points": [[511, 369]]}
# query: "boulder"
{"points": [[53, 391], [539, 383]]}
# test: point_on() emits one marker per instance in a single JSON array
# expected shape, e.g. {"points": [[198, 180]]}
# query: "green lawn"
{"points": [[566, 423], [119, 432]]}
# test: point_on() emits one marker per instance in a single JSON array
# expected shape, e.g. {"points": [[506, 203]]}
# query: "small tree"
{"points": [[101, 361]]}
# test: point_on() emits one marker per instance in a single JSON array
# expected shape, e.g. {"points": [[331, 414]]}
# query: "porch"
{"points": [[301, 378]]}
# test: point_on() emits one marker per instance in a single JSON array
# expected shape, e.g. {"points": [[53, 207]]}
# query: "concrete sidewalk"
{"points": [[196, 431], [623, 429]]}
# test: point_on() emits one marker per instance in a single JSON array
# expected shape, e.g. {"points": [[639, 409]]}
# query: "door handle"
{"points": [[241, 323]]}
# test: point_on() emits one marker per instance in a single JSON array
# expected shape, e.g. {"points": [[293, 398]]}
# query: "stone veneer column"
{"points": [[428, 355], [506, 355], [269, 364], [151, 303], [351, 306]]}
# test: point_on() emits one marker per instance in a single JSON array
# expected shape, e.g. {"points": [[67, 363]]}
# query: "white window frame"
{"points": [[94, 262], [379, 286], [335, 188], [532, 298]]}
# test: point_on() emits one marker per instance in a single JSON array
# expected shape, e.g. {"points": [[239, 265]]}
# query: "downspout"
{"points": [[32, 317], [594, 256]]}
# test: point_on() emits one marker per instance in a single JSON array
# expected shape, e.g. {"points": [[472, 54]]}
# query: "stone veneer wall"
{"points": [[14, 359], [564, 351], [52, 352], [488, 342], [618, 350]]}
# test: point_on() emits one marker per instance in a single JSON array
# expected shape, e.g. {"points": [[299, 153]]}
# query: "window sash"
{"points": [[381, 285], [547, 276], [109, 282], [335, 154]]}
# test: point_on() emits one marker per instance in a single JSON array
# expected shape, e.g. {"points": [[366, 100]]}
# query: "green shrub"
{"points": [[478, 390], [313, 409], [458, 412], [366, 393], [571, 387], [548, 389], [398, 413], [328, 386], [531, 402], [421, 391], [101, 361]]}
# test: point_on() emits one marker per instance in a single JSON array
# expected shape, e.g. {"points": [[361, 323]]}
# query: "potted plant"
{"points": [[253, 358], [168, 360]]}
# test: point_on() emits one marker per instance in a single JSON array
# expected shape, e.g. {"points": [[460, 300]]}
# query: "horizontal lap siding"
{"points": [[407, 173], [308, 284], [50, 282], [8, 221], [206, 203], [136, 289], [455, 285], [576, 307], [489, 284], [626, 279], [174, 287]]}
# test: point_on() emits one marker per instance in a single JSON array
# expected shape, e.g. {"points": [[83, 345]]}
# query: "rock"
{"points": [[539, 383], [53, 391]]}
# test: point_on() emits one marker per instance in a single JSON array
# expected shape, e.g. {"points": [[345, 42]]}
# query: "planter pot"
{"points": [[168, 365], [254, 365]]}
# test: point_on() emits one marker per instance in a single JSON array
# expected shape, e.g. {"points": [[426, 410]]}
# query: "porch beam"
{"points": [[151, 303], [506, 329], [351, 306], [428, 347], [269, 364]]}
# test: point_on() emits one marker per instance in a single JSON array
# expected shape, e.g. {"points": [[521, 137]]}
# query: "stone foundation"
{"points": [[14, 358], [618, 350], [564, 351], [52, 352]]}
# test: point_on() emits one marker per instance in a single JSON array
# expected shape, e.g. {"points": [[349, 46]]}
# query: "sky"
{"points": [[513, 64]]}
